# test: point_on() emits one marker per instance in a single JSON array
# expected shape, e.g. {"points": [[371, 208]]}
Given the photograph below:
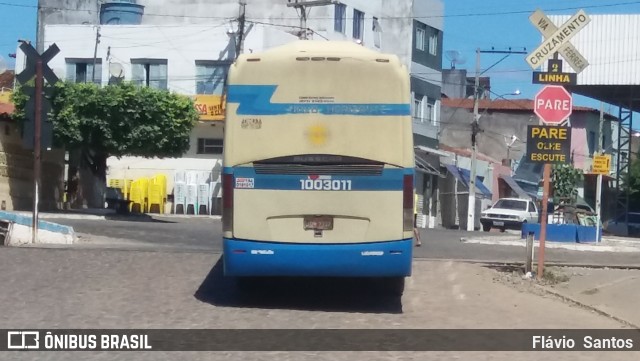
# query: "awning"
{"points": [[464, 176], [423, 165], [516, 188], [441, 153]]}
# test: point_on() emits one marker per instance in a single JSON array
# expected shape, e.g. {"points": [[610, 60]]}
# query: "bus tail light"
{"points": [[227, 202], [407, 202]]}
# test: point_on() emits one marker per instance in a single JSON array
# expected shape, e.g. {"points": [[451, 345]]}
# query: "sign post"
{"points": [[36, 66], [601, 166], [553, 104]]}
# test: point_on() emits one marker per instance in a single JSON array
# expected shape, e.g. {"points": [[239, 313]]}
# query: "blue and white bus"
{"points": [[318, 174]]}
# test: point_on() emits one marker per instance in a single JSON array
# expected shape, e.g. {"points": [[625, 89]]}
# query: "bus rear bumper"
{"points": [[379, 259]]}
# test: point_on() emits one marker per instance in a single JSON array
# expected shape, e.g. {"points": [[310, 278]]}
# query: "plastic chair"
{"points": [[203, 198], [156, 198], [192, 198], [136, 197], [180, 197]]}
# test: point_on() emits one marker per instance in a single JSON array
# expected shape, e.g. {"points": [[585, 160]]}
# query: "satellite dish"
{"points": [[116, 70], [455, 57], [3, 65]]}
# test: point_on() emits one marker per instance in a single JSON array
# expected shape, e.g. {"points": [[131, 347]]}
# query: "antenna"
{"points": [[116, 70], [455, 57]]}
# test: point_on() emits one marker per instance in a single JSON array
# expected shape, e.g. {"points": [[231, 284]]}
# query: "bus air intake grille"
{"points": [[355, 169]]}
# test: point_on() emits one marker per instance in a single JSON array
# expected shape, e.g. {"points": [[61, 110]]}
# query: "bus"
{"points": [[318, 164]]}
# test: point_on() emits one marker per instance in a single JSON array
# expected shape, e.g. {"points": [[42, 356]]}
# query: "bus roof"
{"points": [[318, 48]]}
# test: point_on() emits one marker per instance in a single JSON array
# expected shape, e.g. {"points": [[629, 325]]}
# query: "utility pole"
{"points": [[241, 22], [471, 210], [599, 184], [36, 149], [475, 129], [95, 56], [302, 5]]}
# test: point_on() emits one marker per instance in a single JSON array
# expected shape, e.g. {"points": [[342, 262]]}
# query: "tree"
{"points": [[565, 180], [117, 120], [633, 186]]}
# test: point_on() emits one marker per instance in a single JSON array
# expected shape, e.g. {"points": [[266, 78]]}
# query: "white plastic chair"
{"points": [[180, 197], [203, 198], [192, 198]]}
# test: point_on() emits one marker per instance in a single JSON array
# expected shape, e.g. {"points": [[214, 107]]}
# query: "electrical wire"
{"points": [[470, 14]]}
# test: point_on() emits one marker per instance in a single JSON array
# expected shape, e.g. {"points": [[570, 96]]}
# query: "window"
{"points": [[420, 35], [532, 209], [429, 113], [210, 76], [340, 18], [417, 108], [358, 24], [149, 72], [592, 141], [81, 71], [209, 146], [377, 32], [433, 44]]}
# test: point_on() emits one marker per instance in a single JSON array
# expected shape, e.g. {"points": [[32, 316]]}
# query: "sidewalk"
{"points": [[608, 244], [613, 292], [104, 213]]}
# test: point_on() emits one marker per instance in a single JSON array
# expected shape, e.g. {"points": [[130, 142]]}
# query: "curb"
{"points": [[521, 263], [581, 247], [575, 302]]}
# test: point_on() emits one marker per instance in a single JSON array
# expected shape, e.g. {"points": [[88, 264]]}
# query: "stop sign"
{"points": [[553, 104]]}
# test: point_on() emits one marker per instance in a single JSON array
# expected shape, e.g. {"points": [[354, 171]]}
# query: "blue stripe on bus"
{"points": [[389, 180], [256, 100], [379, 259]]}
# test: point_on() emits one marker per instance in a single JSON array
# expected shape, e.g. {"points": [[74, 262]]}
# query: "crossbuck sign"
{"points": [[557, 40]]}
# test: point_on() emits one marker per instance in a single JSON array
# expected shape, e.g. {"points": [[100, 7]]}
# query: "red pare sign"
{"points": [[553, 104]]}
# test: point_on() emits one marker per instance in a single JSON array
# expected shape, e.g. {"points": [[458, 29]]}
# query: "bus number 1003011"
{"points": [[325, 185]]}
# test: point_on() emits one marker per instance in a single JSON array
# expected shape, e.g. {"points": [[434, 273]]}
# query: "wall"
{"points": [[16, 173]]}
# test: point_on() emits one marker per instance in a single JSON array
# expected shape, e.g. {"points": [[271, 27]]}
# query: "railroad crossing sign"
{"points": [[557, 40], [553, 104], [23, 78]]}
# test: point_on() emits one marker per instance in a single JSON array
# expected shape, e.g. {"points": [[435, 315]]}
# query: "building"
{"points": [[16, 163], [504, 133], [187, 47]]}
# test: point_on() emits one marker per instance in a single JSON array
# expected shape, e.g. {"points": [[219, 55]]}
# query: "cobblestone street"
{"points": [[50, 288]]}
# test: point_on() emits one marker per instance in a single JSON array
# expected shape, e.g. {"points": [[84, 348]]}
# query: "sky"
{"points": [[17, 21], [472, 24], [468, 24]]}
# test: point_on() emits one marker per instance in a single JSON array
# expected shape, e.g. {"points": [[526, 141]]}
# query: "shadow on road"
{"points": [[311, 294], [135, 218]]}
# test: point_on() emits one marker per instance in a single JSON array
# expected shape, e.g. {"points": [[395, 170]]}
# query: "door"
{"points": [[533, 213]]}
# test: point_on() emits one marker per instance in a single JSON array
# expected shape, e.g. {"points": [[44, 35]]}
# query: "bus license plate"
{"points": [[318, 222]]}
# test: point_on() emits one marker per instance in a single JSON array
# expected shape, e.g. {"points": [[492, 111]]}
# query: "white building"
{"points": [[187, 46]]}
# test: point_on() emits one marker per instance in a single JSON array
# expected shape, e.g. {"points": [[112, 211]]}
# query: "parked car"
{"points": [[509, 213], [618, 228]]}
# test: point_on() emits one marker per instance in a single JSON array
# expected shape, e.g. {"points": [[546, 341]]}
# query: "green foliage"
{"points": [[632, 187], [565, 180], [122, 119]]}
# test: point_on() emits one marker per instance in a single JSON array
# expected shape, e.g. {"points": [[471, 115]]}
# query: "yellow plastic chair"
{"points": [[139, 195], [156, 199], [136, 198]]}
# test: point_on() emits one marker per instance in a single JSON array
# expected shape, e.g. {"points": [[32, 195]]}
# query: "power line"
{"points": [[473, 14]]}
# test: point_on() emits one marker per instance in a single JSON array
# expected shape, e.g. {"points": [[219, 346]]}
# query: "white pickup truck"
{"points": [[509, 213]]}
